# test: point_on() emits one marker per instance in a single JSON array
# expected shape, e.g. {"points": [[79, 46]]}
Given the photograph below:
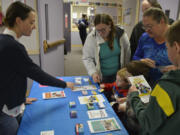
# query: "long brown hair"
{"points": [[106, 19]]}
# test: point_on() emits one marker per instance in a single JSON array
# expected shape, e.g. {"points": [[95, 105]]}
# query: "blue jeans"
{"points": [[8, 125]]}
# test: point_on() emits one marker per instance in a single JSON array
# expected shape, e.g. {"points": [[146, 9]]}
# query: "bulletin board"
{"points": [[127, 16]]}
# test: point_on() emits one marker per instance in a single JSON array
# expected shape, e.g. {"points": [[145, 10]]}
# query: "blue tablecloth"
{"points": [[54, 114]]}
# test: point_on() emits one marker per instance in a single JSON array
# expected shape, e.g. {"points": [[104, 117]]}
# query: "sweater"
{"points": [[148, 48], [162, 115], [15, 67], [118, 90], [91, 50]]}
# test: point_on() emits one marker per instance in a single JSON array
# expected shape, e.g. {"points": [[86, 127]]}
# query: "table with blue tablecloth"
{"points": [[54, 114]]}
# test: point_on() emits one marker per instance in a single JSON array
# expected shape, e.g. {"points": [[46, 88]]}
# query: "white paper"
{"points": [[50, 132], [142, 86], [85, 99], [54, 94], [74, 15], [103, 125], [86, 79], [85, 87], [94, 114], [78, 80]]}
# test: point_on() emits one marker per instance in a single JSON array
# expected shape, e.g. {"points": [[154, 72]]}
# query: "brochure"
{"points": [[103, 125], [49, 132], [94, 114], [85, 87], [54, 94], [142, 86], [92, 99]]}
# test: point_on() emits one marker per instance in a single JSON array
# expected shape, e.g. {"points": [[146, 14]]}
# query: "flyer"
{"points": [[85, 87], [54, 94], [103, 125], [92, 98], [142, 86], [94, 114]]}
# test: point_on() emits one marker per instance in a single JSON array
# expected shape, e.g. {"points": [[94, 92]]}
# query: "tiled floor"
{"points": [[73, 62]]}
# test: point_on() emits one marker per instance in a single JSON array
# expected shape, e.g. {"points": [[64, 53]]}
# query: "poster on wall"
{"points": [[127, 16], [66, 21]]}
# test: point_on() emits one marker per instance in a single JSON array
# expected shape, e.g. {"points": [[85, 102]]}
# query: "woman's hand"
{"points": [[70, 85], [149, 62], [102, 86], [30, 100], [96, 78]]}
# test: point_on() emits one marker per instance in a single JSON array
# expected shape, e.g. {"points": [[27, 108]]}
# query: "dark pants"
{"points": [[109, 79], [9, 125], [83, 35]]}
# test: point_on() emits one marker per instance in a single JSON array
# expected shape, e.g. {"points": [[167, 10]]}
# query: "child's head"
{"points": [[138, 68], [122, 78], [173, 43]]}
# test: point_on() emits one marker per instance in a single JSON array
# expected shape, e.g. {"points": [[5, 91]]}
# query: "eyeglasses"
{"points": [[103, 30], [148, 27]]}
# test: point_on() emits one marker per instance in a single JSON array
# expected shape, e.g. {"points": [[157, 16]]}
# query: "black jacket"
{"points": [[15, 67]]}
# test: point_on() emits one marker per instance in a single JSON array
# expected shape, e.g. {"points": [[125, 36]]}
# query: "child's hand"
{"points": [[121, 100], [122, 107], [102, 86], [132, 89]]}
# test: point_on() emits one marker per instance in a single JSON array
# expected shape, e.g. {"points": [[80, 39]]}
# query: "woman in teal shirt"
{"points": [[106, 50]]}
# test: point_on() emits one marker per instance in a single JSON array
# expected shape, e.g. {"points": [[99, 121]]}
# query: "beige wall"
{"points": [[104, 1], [129, 20]]}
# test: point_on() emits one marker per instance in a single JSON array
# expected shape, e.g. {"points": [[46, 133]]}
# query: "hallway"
{"points": [[73, 65]]}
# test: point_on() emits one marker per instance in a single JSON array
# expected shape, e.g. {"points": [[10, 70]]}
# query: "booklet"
{"points": [[49, 132], [103, 125], [85, 87], [54, 94], [92, 99], [142, 86], [94, 114]]}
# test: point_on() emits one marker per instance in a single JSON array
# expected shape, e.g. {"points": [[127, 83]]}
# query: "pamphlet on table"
{"points": [[54, 94], [103, 125]]}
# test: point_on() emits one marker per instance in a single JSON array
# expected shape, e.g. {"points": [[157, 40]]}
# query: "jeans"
{"points": [[8, 125]]}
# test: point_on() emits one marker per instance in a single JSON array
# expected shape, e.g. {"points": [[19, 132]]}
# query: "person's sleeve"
{"points": [[133, 42], [154, 114], [24, 66], [109, 86], [126, 51], [139, 51], [89, 55]]}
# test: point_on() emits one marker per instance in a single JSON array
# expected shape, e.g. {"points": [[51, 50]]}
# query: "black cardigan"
{"points": [[15, 67]]}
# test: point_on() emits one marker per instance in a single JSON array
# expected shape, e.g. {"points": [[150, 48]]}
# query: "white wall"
{"points": [[171, 5]]}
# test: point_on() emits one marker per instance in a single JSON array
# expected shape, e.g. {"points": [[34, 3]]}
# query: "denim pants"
{"points": [[8, 125]]}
